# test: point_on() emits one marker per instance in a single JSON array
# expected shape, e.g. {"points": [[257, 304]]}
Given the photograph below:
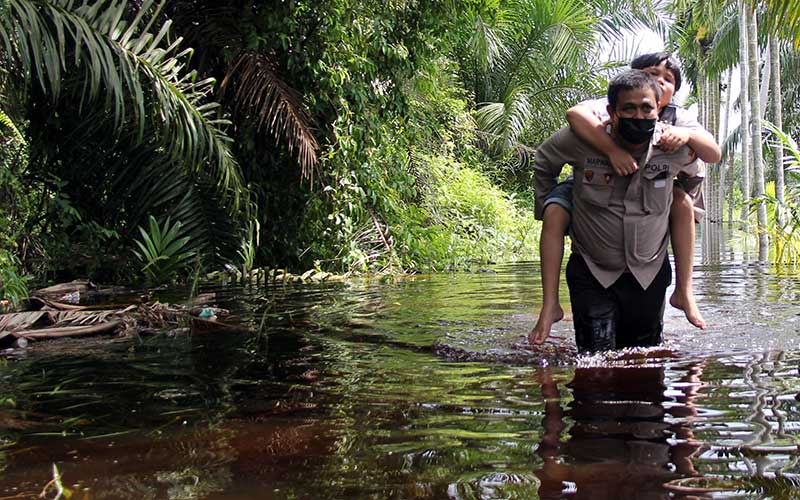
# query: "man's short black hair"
{"points": [[645, 61], [630, 80]]}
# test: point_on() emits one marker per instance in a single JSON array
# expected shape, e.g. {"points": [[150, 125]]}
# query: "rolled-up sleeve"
{"points": [[548, 162]]}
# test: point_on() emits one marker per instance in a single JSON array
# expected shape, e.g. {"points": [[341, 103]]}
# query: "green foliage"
{"points": [[523, 93], [136, 71], [421, 200], [13, 286], [474, 220], [118, 127], [530, 60], [783, 16], [15, 201], [163, 251], [785, 238], [249, 246], [9, 129], [421, 114], [405, 183]]}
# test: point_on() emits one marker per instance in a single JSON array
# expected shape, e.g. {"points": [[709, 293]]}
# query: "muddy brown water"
{"points": [[420, 388]]}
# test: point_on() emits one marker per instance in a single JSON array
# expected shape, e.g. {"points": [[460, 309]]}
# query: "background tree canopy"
{"points": [[357, 135]]}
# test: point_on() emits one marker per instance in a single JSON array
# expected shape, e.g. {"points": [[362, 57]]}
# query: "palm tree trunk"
{"points": [[755, 131], [765, 80], [744, 104], [702, 96], [777, 120], [723, 133], [714, 107]]}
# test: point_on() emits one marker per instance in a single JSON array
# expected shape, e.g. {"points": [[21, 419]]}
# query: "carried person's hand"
{"points": [[622, 162], [673, 138]]}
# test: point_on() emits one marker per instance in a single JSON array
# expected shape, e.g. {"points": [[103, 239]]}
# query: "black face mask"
{"points": [[637, 130]]}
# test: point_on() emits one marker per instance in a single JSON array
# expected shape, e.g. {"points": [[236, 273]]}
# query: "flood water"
{"points": [[419, 388]]}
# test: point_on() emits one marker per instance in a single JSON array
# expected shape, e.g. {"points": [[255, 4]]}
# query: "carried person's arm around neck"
{"points": [[585, 123]]}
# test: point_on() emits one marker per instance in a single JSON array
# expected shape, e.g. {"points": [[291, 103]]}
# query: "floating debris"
{"points": [[49, 319], [266, 275]]}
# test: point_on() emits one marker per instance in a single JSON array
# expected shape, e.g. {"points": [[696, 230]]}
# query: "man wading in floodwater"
{"points": [[618, 272]]}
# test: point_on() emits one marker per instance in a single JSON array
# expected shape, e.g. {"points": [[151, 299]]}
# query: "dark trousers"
{"points": [[622, 315]]}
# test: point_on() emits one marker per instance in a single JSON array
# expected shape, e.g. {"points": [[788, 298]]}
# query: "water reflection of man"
{"points": [[618, 439]]}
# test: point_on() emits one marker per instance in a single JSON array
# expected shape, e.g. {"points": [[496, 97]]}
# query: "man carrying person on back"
{"points": [[588, 119], [618, 271]]}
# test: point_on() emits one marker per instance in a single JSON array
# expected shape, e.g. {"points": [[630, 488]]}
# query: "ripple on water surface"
{"points": [[343, 393]]}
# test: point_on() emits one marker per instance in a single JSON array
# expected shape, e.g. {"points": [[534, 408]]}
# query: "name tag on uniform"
{"points": [[659, 183]]}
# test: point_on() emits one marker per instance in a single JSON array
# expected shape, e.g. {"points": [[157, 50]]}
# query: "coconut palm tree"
{"points": [[699, 25], [776, 24], [727, 180]]}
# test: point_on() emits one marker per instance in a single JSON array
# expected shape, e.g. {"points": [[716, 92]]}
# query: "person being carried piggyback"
{"points": [[678, 128]]}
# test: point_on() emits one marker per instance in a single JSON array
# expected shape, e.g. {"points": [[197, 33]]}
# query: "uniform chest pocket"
{"points": [[594, 186], [656, 191]]}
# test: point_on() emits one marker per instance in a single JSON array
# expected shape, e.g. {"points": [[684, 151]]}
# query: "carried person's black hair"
{"points": [[645, 61], [630, 80]]}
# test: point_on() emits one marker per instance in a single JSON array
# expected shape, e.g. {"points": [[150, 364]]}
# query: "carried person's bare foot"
{"points": [[547, 316], [687, 304]]}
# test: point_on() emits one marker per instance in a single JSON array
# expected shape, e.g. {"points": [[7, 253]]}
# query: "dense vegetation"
{"points": [[144, 139]]}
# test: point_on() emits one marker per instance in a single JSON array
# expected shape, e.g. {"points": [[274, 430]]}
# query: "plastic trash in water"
{"points": [[208, 313], [71, 298]]}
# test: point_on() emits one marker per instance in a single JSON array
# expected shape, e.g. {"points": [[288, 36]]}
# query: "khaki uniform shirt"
{"points": [[618, 223], [683, 118]]}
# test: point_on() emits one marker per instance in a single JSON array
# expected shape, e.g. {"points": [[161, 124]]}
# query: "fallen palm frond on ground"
{"points": [[52, 320]]}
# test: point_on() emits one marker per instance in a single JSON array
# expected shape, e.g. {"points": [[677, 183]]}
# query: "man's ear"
{"points": [[610, 110]]}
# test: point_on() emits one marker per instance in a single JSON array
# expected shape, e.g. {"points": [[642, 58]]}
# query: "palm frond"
{"points": [[136, 71], [783, 16], [262, 95], [8, 124], [131, 180], [506, 120], [791, 157], [622, 54], [731, 142], [571, 28], [485, 44], [548, 60], [560, 31], [724, 51], [620, 16]]}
